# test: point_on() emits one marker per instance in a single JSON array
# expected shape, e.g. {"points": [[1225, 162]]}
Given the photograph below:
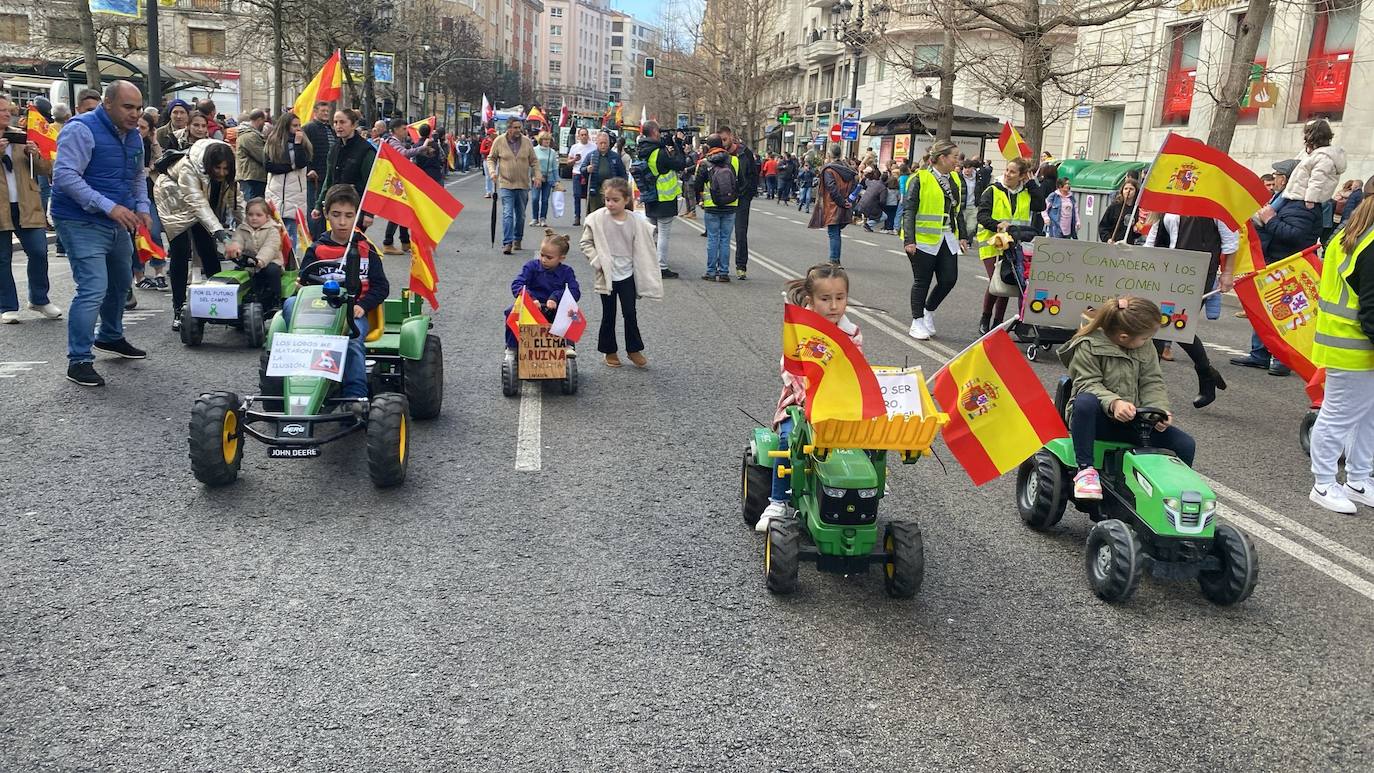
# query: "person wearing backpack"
{"points": [[655, 170], [720, 181], [837, 191]]}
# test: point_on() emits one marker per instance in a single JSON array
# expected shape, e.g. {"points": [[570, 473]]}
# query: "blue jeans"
{"points": [[833, 231], [781, 485], [718, 231], [355, 364], [102, 260], [804, 199], [253, 189], [513, 214], [1090, 423], [35, 244], [539, 200]]}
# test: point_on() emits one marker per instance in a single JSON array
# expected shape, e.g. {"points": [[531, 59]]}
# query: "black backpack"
{"points": [[646, 182], [724, 185], [167, 160]]}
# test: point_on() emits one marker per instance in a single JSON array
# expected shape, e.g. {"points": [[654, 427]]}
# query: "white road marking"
{"points": [[528, 447], [865, 242], [14, 368], [1322, 541], [1338, 573]]}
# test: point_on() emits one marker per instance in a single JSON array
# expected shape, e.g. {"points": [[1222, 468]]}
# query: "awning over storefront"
{"points": [[133, 68]]}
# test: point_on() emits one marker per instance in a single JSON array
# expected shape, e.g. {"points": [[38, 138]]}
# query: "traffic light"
{"points": [[648, 67]]}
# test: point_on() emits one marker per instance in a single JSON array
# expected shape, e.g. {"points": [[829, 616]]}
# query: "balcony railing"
{"points": [[204, 6]]}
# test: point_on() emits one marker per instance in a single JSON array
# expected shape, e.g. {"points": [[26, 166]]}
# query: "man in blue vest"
{"points": [[99, 197]]}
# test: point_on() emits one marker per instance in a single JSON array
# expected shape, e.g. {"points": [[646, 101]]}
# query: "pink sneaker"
{"points": [[1086, 484]]}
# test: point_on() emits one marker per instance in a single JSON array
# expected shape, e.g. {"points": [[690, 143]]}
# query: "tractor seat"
{"points": [[376, 325], [1061, 396]]}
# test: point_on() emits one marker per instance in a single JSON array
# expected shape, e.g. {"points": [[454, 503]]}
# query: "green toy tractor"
{"points": [[246, 312], [838, 474], [1156, 514]]}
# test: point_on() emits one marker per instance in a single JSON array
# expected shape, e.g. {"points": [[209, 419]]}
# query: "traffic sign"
{"points": [[835, 133], [784, 118], [849, 130], [682, 119], [818, 140], [848, 114]]}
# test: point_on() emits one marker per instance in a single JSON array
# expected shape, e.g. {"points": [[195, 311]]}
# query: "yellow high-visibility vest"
{"points": [[1340, 343], [1002, 211]]}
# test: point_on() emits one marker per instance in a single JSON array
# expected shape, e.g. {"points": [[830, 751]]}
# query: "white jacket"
{"points": [[287, 192], [648, 277], [1316, 176]]}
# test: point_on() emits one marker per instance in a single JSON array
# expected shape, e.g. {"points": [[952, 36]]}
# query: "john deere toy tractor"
{"points": [[247, 312], [838, 473], [1156, 515]]}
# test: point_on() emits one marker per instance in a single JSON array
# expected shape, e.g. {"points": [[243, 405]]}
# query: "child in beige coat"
{"points": [[260, 236], [623, 253]]}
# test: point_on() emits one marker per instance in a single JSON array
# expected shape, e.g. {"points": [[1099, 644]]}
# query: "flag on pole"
{"points": [[146, 247], [326, 86], [1280, 300], [452, 156], [487, 112], [42, 134], [535, 114], [525, 311], [999, 413], [839, 382], [1192, 178], [303, 231], [563, 115], [1011, 145], [569, 322], [643, 114], [414, 129], [619, 115]]}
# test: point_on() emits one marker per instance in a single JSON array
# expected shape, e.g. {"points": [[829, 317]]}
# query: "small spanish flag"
{"points": [[1010, 144], [42, 134], [414, 129], [398, 191], [452, 157], [839, 382], [326, 86], [1280, 301], [526, 311], [535, 114], [146, 247], [999, 412]]}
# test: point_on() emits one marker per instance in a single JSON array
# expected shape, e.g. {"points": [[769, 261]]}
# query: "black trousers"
{"points": [[624, 292], [943, 267], [390, 237], [179, 253], [742, 232], [267, 284]]}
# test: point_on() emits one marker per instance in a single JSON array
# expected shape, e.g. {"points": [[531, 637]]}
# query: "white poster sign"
{"points": [[214, 301], [295, 354], [901, 390]]}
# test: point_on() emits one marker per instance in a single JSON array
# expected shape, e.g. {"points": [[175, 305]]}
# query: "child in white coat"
{"points": [[623, 253]]}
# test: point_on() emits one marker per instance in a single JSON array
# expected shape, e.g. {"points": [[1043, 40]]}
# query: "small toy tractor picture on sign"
{"points": [[1042, 302]]}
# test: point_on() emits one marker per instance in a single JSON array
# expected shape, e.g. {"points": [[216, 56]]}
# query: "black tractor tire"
{"points": [[756, 484], [1113, 560], [254, 324], [905, 567], [216, 438], [269, 386], [1041, 491], [510, 379], [388, 439], [192, 329], [1305, 432], [569, 383], [1235, 580], [780, 555], [424, 380]]}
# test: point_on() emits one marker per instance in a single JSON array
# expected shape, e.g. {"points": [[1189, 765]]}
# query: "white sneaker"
{"points": [[9, 318], [930, 322], [510, 355], [1361, 492], [49, 310], [773, 510], [918, 330], [1333, 498]]}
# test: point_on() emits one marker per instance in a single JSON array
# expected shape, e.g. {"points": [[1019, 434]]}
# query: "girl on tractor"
{"points": [[824, 290]]}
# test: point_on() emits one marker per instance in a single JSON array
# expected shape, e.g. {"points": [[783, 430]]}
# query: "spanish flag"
{"points": [[303, 231], [326, 86], [42, 134], [1280, 300], [526, 311], [999, 413], [414, 129], [452, 156], [1011, 145], [146, 247], [1191, 178], [535, 114], [398, 191], [839, 382]]}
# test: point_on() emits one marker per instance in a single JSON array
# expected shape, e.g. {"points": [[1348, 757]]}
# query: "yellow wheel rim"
{"points": [[767, 555], [889, 566], [230, 437], [402, 453]]}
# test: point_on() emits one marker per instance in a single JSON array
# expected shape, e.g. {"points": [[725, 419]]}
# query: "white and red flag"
{"points": [[487, 112], [569, 322]]}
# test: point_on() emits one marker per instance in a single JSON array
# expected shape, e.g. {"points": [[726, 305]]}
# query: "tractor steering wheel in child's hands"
{"points": [[1155, 417], [1122, 410]]}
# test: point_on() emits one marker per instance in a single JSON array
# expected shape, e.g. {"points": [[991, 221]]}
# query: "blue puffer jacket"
{"points": [[544, 284], [617, 165], [1292, 230]]}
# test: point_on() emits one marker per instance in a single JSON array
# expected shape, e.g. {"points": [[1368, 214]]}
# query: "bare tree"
{"points": [[83, 12], [1235, 83], [735, 57], [906, 45]]}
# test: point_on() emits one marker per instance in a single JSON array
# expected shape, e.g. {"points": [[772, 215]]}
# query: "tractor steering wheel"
{"points": [[1148, 416]]}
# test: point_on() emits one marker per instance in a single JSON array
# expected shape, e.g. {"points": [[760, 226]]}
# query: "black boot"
{"points": [[1208, 382], [984, 324]]}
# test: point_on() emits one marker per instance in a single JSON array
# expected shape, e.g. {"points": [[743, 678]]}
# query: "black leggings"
{"points": [[742, 233], [943, 267], [1196, 352], [179, 253], [625, 292], [390, 237]]}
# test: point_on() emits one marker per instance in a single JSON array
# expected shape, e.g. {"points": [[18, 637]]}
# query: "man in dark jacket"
{"points": [[749, 182], [322, 141], [659, 160]]}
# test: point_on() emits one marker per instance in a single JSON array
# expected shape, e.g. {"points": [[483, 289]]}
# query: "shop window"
{"points": [[1334, 25], [1249, 113], [1185, 43], [207, 42]]}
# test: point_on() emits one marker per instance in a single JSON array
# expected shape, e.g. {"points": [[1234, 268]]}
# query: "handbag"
{"points": [[556, 202], [1004, 283]]}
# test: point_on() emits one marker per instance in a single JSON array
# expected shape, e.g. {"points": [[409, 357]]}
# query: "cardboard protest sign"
{"points": [[901, 388], [1068, 277], [214, 301], [541, 354], [295, 354]]}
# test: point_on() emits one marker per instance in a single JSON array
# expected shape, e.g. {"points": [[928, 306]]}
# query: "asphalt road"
{"points": [[603, 608]]}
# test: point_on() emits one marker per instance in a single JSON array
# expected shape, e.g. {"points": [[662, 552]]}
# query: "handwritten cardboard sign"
{"points": [[1068, 277], [214, 301], [901, 389], [541, 355], [296, 354]]}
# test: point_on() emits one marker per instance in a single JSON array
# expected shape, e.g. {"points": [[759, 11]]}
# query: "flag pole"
{"points": [[1141, 188], [1004, 326]]}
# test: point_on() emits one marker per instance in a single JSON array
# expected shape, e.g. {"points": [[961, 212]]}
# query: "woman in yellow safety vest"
{"points": [[1344, 345], [933, 234], [1007, 206]]}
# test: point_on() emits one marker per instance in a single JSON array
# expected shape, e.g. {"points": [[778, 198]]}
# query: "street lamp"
{"points": [[377, 23], [857, 26]]}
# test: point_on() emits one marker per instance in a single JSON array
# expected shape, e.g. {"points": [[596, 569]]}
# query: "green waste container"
{"points": [[1095, 184]]}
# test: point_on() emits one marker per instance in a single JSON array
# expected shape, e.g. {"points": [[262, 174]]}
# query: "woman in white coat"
{"points": [[288, 152]]}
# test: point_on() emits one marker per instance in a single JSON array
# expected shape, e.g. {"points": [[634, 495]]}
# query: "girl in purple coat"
{"points": [[545, 278]]}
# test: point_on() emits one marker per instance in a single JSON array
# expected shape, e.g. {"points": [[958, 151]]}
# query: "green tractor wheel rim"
{"points": [[1102, 567]]}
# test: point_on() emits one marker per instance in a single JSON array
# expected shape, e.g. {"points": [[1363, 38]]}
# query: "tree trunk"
{"points": [[278, 60], [83, 10], [1237, 79], [1033, 59], [944, 124]]}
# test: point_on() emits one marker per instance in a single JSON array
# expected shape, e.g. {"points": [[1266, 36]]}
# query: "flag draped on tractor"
{"points": [[326, 86], [526, 311], [1011, 145], [1280, 300], [1192, 178], [42, 133], [398, 191], [839, 382], [999, 413]]}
